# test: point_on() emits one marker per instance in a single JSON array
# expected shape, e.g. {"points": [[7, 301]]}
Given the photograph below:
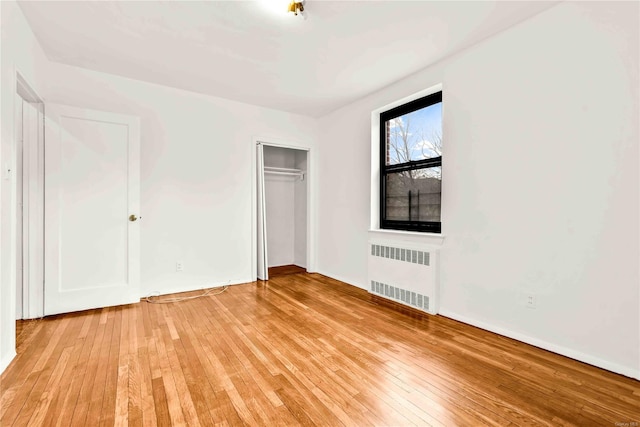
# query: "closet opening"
{"points": [[282, 210]]}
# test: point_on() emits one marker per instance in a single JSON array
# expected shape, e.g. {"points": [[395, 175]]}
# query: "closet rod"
{"points": [[275, 169], [274, 172]]}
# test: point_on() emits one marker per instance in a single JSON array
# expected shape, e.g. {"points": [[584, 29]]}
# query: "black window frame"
{"points": [[385, 116]]}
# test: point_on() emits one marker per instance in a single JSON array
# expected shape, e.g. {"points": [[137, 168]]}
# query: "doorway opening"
{"points": [[283, 242], [29, 201]]}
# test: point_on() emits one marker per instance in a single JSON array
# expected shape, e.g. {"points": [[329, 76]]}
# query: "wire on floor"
{"points": [[154, 299]]}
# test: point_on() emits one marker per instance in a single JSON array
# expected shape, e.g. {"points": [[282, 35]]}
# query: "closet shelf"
{"points": [[284, 171]]}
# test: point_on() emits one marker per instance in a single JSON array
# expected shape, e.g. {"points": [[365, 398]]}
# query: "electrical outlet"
{"points": [[530, 300], [179, 266]]}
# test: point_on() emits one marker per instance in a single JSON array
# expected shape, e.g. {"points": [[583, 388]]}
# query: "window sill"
{"points": [[430, 238]]}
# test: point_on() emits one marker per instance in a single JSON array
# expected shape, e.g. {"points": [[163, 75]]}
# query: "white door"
{"points": [[92, 235]]}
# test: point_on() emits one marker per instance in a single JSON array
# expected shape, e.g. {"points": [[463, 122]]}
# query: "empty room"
{"points": [[279, 212]]}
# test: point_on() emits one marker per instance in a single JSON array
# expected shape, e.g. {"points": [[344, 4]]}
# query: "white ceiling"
{"points": [[245, 51]]}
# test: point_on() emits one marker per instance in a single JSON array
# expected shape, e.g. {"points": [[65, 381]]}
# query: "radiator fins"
{"points": [[400, 254], [400, 295]]}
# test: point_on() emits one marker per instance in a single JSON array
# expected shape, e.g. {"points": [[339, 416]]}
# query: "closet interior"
{"points": [[285, 180]]}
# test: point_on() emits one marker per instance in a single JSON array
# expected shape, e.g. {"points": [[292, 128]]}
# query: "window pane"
{"points": [[415, 136], [414, 195]]}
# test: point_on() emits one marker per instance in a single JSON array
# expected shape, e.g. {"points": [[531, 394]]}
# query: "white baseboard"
{"points": [[564, 351], [341, 279], [6, 360]]}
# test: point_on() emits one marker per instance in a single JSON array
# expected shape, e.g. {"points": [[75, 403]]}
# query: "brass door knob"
{"points": [[132, 218]]}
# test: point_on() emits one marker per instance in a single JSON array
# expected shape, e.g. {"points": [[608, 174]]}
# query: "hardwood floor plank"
{"points": [[75, 374], [63, 390], [169, 386], [198, 390], [149, 418], [160, 403], [90, 373], [108, 408], [299, 349], [294, 403], [122, 396], [38, 417], [252, 365], [15, 384], [45, 368], [284, 270], [99, 387], [134, 408]]}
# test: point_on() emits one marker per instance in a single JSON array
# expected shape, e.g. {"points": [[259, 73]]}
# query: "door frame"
{"points": [[32, 286], [310, 178]]}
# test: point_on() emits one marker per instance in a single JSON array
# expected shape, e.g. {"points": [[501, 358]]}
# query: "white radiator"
{"points": [[407, 273]]}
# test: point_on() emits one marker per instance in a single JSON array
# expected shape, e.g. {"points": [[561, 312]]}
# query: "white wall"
{"points": [[196, 173], [540, 183], [20, 52]]}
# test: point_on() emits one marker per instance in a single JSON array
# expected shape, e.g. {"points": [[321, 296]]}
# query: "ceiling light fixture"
{"points": [[296, 7]]}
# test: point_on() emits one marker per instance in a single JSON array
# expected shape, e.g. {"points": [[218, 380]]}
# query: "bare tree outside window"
{"points": [[411, 140]]}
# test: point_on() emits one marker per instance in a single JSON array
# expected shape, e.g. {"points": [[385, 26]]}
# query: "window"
{"points": [[411, 165]]}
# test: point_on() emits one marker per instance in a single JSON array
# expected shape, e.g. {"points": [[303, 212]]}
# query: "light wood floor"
{"points": [[299, 349], [283, 270]]}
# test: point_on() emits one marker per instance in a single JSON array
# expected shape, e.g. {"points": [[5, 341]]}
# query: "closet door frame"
{"points": [[311, 197]]}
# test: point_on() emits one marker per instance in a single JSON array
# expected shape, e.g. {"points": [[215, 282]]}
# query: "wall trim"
{"points": [[340, 279], [545, 345], [32, 287]]}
